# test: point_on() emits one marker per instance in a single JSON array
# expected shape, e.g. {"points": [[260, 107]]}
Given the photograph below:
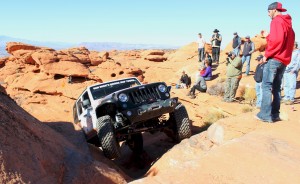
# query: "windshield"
{"points": [[102, 90]]}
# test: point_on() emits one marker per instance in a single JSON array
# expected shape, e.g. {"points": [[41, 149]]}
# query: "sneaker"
{"points": [[258, 118], [289, 102]]}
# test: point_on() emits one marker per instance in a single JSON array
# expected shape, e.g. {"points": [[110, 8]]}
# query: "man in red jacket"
{"points": [[278, 54]]}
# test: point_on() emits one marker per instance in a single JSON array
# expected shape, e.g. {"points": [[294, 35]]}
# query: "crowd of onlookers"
{"points": [[276, 70]]}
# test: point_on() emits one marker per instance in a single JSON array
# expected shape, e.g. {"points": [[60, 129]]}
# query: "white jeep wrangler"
{"points": [[122, 110]]}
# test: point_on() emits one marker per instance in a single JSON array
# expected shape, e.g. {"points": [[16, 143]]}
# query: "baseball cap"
{"points": [[259, 57], [276, 6], [248, 37]]}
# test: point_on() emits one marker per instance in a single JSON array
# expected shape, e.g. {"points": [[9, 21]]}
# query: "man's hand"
{"points": [[264, 60]]}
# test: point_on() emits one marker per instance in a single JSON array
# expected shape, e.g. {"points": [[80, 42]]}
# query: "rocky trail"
{"points": [[40, 144]]}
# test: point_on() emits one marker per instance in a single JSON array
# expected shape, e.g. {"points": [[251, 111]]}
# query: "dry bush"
{"points": [[250, 94], [212, 117], [241, 91], [247, 109], [217, 89]]}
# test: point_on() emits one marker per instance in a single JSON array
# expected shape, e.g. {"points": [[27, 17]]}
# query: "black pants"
{"points": [[198, 87], [216, 54]]}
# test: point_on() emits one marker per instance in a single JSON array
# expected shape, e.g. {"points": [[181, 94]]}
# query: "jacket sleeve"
{"points": [[206, 73], [275, 39]]}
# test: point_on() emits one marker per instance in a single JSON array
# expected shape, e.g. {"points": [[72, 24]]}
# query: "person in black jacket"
{"points": [[184, 80]]}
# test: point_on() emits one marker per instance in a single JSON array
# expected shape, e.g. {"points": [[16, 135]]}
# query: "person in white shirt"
{"points": [[201, 47]]}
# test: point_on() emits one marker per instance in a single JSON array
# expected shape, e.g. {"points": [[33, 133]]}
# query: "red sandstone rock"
{"points": [[66, 68], [95, 58]]}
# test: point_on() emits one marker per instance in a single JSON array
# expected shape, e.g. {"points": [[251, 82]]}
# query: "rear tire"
{"points": [[107, 137], [181, 123]]}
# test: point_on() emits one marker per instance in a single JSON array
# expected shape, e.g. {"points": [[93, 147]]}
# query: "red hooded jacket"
{"points": [[280, 41]]}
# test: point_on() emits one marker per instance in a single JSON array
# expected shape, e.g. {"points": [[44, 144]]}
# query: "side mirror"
{"points": [[86, 103]]}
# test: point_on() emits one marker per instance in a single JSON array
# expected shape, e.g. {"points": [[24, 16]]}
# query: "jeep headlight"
{"points": [[123, 97], [162, 88]]}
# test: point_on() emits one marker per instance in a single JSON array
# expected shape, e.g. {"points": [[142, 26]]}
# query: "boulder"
{"points": [[156, 58], [104, 55], [42, 57], [66, 68], [11, 47], [3, 60], [81, 53], [95, 58], [152, 52]]}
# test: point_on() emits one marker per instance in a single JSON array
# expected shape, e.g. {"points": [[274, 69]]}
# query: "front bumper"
{"points": [[149, 111]]}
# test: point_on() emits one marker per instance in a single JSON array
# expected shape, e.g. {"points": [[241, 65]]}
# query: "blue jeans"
{"points": [[247, 60], [272, 75], [258, 90], [236, 51], [290, 81], [201, 54]]}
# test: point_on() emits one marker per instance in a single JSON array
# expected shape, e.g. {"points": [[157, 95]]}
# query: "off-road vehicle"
{"points": [[122, 110]]}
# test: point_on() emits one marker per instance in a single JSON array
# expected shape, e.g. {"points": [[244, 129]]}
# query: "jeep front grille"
{"points": [[146, 94]]}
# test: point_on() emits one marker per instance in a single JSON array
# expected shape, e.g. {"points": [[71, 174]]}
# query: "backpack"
{"points": [[259, 73]]}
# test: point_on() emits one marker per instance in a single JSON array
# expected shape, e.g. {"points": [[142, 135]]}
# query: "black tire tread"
{"points": [[183, 127], [107, 138]]}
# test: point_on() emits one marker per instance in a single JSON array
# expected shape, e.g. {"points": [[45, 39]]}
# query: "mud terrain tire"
{"points": [[181, 123], [136, 143], [107, 138]]}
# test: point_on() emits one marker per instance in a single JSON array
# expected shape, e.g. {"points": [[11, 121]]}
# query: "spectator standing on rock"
{"points": [[290, 77], [201, 47], [234, 75], [236, 44], [216, 44], [278, 54], [247, 52], [258, 79]]}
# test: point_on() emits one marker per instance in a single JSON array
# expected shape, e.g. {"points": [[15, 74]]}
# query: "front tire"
{"points": [[107, 137], [181, 123]]}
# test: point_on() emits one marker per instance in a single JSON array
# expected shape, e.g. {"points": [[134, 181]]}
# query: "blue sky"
{"points": [[171, 22]]}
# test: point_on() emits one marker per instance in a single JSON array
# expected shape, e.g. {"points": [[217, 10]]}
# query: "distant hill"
{"points": [[54, 45], [97, 46], [101, 46]]}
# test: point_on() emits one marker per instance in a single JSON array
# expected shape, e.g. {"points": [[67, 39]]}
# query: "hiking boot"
{"points": [[289, 102], [276, 119], [193, 96]]}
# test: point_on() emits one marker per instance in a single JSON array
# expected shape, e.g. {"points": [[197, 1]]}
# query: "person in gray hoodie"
{"points": [[200, 85]]}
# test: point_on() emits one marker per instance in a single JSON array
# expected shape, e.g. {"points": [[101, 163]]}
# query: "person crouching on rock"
{"points": [[234, 75], [183, 81], [200, 85]]}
